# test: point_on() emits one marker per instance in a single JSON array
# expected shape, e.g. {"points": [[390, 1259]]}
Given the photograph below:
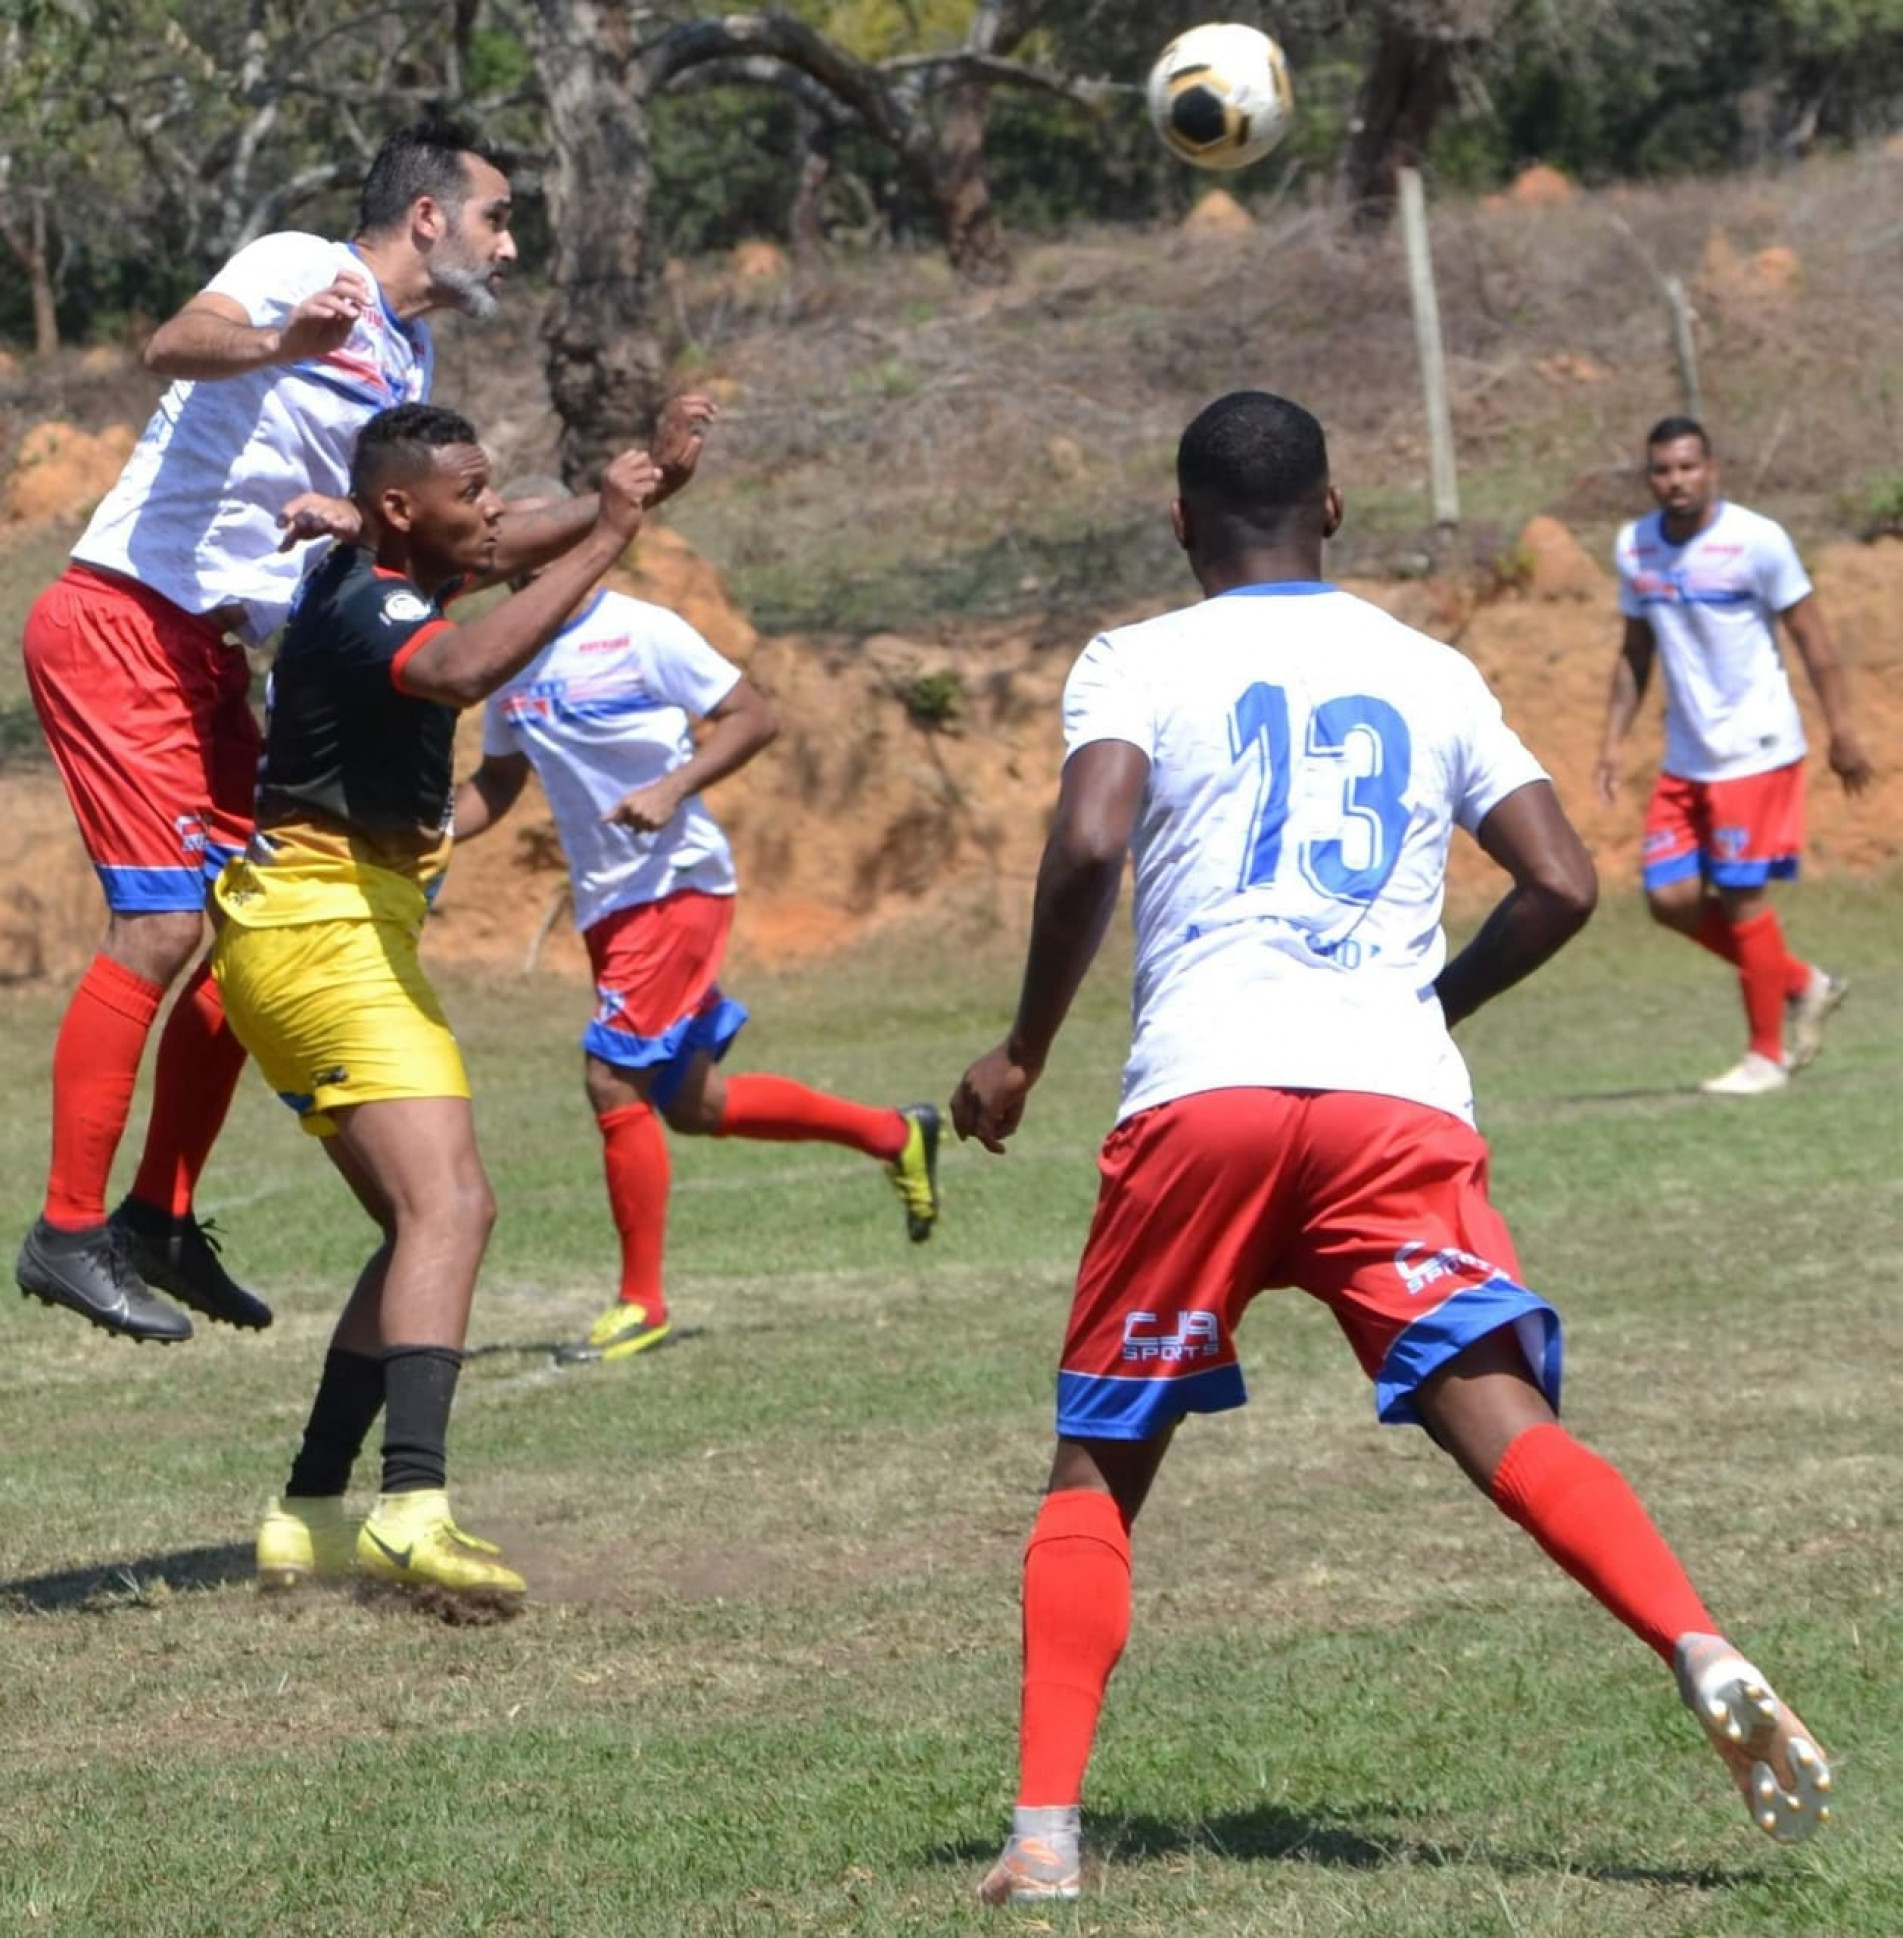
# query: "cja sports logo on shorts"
{"points": [[1418, 1273], [1198, 1335]]}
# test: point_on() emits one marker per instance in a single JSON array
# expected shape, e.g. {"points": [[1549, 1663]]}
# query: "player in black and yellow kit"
{"points": [[317, 960]]}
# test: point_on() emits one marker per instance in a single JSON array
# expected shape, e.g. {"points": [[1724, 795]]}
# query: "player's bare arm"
{"points": [[489, 793], [212, 337], [1811, 636], [1631, 673], [1554, 889], [743, 723], [1077, 884], [462, 665], [536, 530]]}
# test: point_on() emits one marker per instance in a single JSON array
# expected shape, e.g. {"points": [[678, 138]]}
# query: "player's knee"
{"points": [[695, 1113], [157, 945], [608, 1088], [1672, 908]]}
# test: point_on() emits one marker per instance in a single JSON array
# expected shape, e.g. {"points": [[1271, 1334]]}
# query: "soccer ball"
{"points": [[1220, 96]]}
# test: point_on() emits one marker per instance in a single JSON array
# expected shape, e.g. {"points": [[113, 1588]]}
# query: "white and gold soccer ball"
{"points": [[1220, 95]]}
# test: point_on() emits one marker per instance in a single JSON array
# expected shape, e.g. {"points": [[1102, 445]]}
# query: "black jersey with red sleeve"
{"points": [[345, 746]]}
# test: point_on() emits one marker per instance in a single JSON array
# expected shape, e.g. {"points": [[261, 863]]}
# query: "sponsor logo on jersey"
{"points": [[1197, 1335], [1418, 1269], [614, 645], [404, 607]]}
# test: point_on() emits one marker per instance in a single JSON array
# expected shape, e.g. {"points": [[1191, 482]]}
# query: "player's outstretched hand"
{"points": [[312, 515], [989, 1101], [627, 489], [679, 439], [1605, 780], [323, 322], [1850, 763]]}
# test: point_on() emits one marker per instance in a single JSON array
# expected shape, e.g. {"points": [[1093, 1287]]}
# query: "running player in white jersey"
{"points": [[604, 716], [1287, 765], [1702, 585]]}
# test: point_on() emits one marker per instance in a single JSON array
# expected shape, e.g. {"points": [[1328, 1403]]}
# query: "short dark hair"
{"points": [[1668, 430], [1253, 457], [425, 158], [402, 439]]}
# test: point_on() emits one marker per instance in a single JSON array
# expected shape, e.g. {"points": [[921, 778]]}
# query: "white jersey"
{"points": [[603, 709], [194, 513], [1711, 603], [1309, 757]]}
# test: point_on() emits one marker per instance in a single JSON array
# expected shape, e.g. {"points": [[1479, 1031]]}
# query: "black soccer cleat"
{"points": [[180, 1256], [89, 1272]]}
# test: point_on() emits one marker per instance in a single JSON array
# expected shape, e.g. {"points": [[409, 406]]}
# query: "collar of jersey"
{"points": [[1280, 589], [1679, 544], [601, 592], [396, 322]]}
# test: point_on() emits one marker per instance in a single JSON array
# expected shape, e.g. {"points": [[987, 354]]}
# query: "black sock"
{"points": [[419, 1386], [349, 1397]]}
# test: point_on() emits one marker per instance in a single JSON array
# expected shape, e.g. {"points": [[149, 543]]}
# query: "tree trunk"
{"points": [[606, 371], [1409, 81], [961, 190], [39, 271]]}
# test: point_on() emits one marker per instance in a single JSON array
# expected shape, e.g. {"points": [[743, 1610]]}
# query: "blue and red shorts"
{"points": [[1739, 833], [657, 989], [146, 712], [1375, 1205]]}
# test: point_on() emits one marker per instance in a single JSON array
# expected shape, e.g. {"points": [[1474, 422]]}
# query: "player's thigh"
{"points": [[661, 1020], [1671, 845], [1757, 831], [419, 1154], [116, 679], [1400, 1240], [1191, 1216], [337, 1014]]}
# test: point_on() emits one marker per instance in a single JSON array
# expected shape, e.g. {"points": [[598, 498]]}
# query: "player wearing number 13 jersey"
{"points": [[1286, 765]]}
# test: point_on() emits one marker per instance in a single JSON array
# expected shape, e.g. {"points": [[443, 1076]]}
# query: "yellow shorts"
{"points": [[337, 1013]]}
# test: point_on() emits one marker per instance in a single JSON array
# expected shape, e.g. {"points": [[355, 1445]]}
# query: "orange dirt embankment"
{"points": [[861, 815]]}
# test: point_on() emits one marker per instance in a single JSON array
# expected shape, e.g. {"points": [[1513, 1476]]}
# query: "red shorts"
{"points": [[1736, 834], [657, 990], [1376, 1206], [145, 709]]}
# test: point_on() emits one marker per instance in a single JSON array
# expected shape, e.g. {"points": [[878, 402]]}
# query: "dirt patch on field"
{"points": [[917, 774]]}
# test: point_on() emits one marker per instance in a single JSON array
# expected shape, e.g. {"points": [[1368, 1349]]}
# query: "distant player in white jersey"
{"points": [[1287, 765], [604, 716], [1703, 584]]}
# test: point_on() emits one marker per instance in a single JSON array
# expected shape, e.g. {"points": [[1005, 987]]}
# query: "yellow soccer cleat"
{"points": [[914, 1172], [622, 1331], [306, 1539], [411, 1540]]}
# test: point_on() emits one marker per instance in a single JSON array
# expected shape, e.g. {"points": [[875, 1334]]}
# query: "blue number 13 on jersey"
{"points": [[1372, 749]]}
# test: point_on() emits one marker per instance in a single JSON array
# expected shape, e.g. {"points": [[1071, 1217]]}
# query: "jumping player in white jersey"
{"points": [[1702, 585], [1287, 765], [604, 716]]}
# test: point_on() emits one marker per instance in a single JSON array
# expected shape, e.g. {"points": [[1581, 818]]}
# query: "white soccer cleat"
{"points": [[1756, 1076], [1780, 1772], [1041, 1863], [1806, 1015]]}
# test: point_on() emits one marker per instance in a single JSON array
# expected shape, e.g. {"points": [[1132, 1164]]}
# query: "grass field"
{"points": [[766, 1684]]}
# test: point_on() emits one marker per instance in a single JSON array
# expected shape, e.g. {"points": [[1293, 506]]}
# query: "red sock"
{"points": [[1714, 932], [95, 1065], [1076, 1621], [1761, 977], [784, 1112], [1580, 1509], [199, 1060], [634, 1155]]}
